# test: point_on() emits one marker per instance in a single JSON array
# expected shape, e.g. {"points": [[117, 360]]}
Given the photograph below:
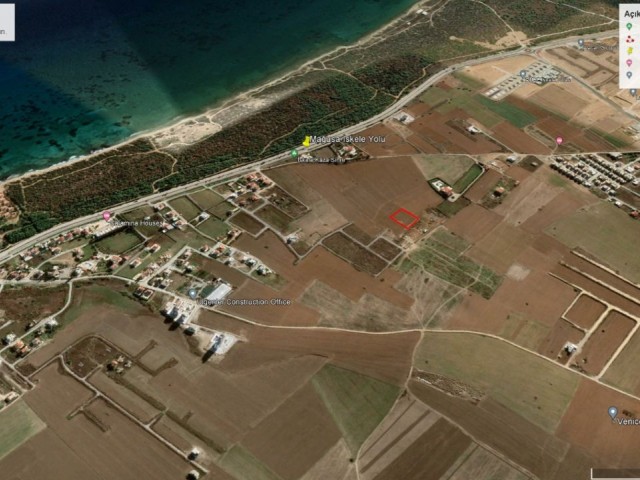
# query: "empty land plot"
{"points": [[473, 223], [585, 311], [442, 255], [596, 228], [126, 398], [561, 333], [449, 168], [205, 198], [385, 249], [585, 427], [627, 361], [283, 440], [510, 112], [484, 465], [213, 227], [185, 207], [596, 289], [603, 343], [276, 218], [247, 223], [17, 425], [430, 456], [361, 258], [22, 304], [369, 313], [488, 364], [358, 234], [285, 202], [604, 276], [119, 242], [356, 402]]}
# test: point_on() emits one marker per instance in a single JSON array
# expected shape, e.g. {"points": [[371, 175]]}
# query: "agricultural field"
{"points": [[17, 425], [488, 365], [23, 304], [443, 255], [119, 243]]}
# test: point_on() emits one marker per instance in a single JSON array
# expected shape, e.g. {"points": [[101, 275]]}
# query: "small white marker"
{"points": [[613, 412], [523, 73], [193, 293], [633, 92], [581, 43]]}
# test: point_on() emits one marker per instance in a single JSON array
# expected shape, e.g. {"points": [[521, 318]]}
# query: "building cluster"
{"points": [[238, 259], [119, 364], [595, 172], [170, 218], [22, 348], [143, 293]]}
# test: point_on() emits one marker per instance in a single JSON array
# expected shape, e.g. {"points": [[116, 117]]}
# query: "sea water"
{"points": [[85, 74]]}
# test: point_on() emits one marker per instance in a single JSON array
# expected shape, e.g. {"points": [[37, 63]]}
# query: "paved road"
{"points": [[157, 197]]}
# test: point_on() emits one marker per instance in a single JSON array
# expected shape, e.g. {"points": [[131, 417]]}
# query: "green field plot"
{"points": [[241, 464], [449, 168], [206, 199], [607, 233], [18, 423], [119, 242], [434, 96], [356, 402], [468, 101], [185, 207], [514, 115], [534, 388], [442, 255], [213, 228], [467, 179]]}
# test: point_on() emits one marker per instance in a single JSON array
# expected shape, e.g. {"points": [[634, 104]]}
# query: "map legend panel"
{"points": [[7, 22], [629, 52]]}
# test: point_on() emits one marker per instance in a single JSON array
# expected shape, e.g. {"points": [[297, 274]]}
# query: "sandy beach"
{"points": [[185, 131]]}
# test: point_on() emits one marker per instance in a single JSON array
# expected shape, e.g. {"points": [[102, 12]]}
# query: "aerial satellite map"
{"points": [[325, 240]]}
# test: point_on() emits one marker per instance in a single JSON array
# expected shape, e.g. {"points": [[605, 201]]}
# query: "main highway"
{"points": [[244, 169]]}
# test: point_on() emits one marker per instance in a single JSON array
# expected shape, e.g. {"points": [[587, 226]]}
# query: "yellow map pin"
{"points": [[630, 50], [307, 141]]}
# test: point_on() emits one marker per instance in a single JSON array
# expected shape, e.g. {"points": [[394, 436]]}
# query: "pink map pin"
{"points": [[559, 140], [106, 215], [629, 62]]}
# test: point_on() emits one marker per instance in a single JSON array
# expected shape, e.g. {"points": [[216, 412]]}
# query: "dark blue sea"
{"points": [[85, 74]]}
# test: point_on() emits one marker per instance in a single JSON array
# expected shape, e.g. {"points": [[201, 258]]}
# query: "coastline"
{"points": [[238, 101]]}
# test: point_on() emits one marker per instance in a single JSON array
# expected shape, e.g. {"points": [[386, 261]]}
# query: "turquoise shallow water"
{"points": [[84, 74]]}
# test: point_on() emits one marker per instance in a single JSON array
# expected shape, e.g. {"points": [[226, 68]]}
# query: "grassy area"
{"points": [[241, 464], [447, 167], [607, 233], [514, 115], [533, 387], [434, 95], [213, 227], [356, 402], [18, 423], [442, 255], [118, 243], [206, 198], [468, 178], [185, 207]]}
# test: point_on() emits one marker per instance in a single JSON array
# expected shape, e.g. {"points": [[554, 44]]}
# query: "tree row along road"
{"points": [[244, 169]]}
